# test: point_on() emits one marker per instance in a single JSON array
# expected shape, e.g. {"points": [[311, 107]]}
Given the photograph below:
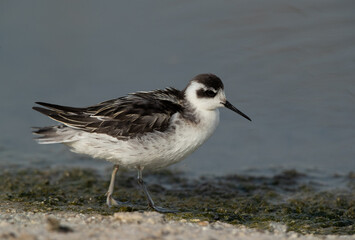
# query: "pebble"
{"points": [[133, 225]]}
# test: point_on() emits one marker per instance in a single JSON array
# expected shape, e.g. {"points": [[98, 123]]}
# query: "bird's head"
{"points": [[206, 92]]}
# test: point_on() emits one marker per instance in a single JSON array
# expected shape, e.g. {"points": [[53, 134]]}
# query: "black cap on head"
{"points": [[209, 80]]}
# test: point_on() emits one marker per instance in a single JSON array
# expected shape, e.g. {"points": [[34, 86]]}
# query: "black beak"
{"points": [[234, 109]]}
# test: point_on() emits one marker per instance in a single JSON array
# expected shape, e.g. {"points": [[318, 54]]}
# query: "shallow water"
{"points": [[289, 66]]}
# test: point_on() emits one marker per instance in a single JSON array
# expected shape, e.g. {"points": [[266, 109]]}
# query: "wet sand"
{"points": [[70, 203]]}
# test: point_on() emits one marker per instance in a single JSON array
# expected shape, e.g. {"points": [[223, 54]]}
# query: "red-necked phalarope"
{"points": [[141, 130]]}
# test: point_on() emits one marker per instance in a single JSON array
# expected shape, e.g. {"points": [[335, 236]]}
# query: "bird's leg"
{"points": [[110, 201], [149, 198]]}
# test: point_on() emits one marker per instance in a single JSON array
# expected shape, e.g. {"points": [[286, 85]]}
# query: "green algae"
{"points": [[242, 200]]}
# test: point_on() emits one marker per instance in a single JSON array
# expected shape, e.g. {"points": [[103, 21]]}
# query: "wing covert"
{"points": [[124, 117]]}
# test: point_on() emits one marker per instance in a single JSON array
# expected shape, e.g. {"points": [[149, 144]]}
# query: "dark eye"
{"points": [[210, 93]]}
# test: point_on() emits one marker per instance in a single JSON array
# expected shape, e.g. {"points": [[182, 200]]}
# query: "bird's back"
{"points": [[122, 118]]}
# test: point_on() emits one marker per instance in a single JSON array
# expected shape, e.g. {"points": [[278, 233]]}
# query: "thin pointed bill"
{"points": [[234, 109]]}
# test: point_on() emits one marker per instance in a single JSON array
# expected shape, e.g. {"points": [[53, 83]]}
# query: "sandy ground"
{"points": [[15, 224], [67, 204]]}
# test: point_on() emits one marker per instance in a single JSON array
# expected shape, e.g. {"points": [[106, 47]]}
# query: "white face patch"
{"points": [[196, 93]]}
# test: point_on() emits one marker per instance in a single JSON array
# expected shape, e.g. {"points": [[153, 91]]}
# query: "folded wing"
{"points": [[124, 117]]}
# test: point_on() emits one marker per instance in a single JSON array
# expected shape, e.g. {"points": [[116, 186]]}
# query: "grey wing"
{"points": [[122, 118]]}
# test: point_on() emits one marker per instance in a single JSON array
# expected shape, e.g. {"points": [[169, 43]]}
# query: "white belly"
{"points": [[153, 150]]}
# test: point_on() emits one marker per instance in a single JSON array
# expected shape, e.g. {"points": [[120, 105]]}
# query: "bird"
{"points": [[142, 130]]}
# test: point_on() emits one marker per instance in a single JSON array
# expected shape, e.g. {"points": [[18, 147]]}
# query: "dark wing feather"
{"points": [[60, 108], [123, 117]]}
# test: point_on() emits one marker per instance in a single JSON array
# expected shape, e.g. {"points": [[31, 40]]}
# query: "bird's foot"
{"points": [[110, 201], [162, 210]]}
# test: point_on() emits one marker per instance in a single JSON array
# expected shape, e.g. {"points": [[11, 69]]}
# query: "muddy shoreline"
{"points": [[290, 201]]}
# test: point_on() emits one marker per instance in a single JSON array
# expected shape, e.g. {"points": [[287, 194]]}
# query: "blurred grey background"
{"points": [[289, 65]]}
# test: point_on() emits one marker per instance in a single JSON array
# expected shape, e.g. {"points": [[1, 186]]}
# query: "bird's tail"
{"points": [[54, 134]]}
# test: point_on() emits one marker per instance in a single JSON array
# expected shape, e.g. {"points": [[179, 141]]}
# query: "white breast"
{"points": [[185, 139]]}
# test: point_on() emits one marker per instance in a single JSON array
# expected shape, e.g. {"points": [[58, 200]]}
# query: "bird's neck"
{"points": [[198, 116], [209, 118]]}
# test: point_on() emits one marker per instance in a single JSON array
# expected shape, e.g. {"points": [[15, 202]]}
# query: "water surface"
{"points": [[290, 66]]}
